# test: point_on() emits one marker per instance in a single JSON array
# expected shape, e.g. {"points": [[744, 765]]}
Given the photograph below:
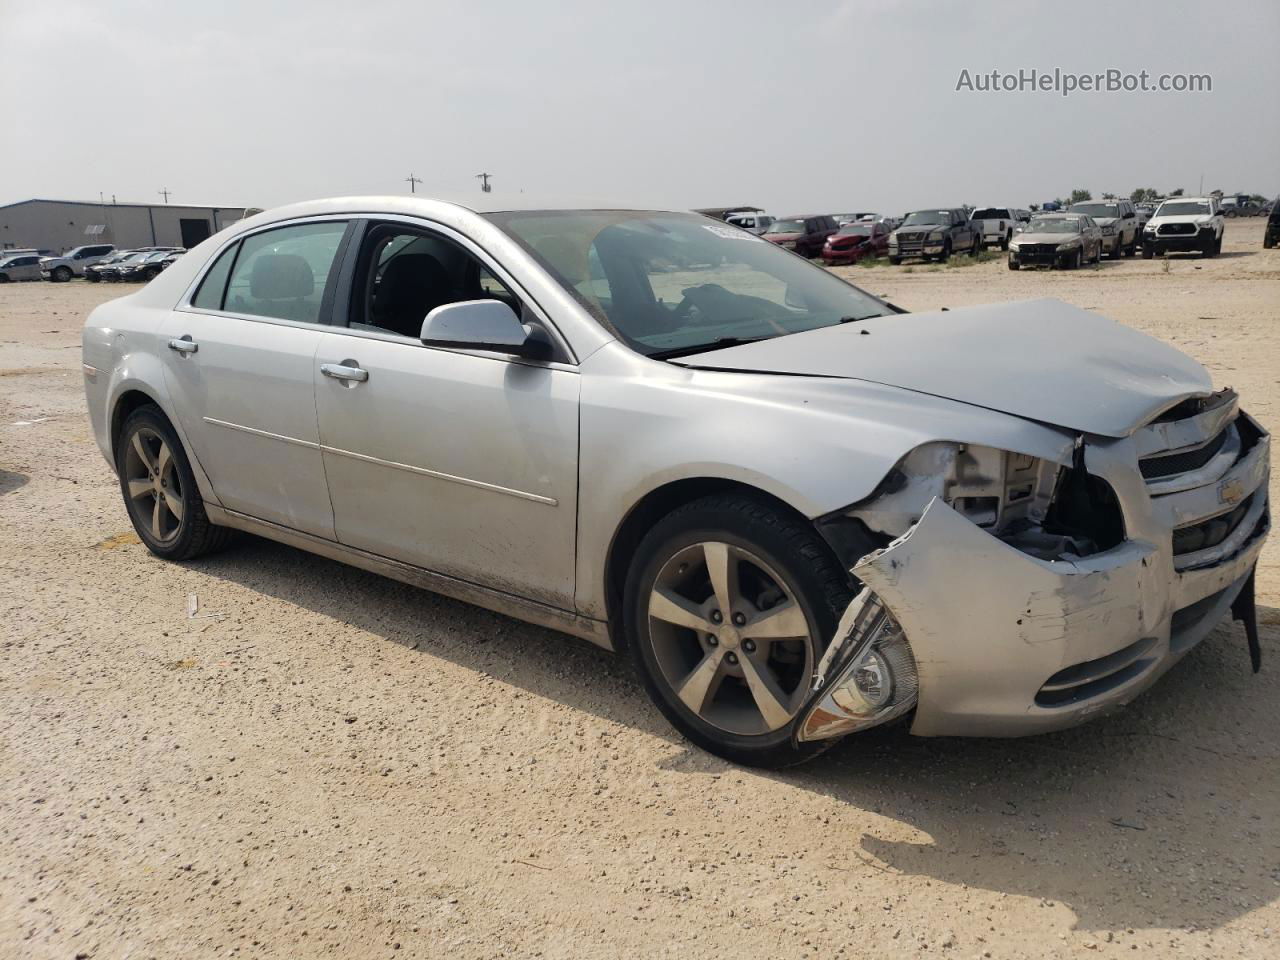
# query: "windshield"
{"points": [[1181, 208], [991, 213], [925, 218], [1096, 209], [786, 226], [855, 230], [672, 283], [1055, 225]]}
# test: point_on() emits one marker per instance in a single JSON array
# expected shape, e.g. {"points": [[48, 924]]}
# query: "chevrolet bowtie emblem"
{"points": [[1231, 490]]}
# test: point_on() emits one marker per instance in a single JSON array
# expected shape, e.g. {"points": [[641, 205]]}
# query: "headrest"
{"points": [[280, 276], [411, 277]]}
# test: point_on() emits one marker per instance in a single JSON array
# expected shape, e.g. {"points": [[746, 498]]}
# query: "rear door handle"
{"points": [[184, 344], [347, 370]]}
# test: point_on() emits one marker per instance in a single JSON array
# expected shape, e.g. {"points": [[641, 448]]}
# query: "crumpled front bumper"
{"points": [[1008, 644]]}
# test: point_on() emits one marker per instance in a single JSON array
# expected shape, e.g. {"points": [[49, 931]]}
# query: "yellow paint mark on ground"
{"points": [[119, 540]]}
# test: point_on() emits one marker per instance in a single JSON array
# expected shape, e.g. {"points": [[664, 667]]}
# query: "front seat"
{"points": [[412, 285], [284, 280]]}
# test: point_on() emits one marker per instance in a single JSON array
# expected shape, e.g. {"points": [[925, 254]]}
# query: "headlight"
{"points": [[991, 488], [1068, 244], [935, 235], [1108, 229]]}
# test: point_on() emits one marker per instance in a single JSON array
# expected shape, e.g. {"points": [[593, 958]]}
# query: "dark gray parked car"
{"points": [[935, 234]]}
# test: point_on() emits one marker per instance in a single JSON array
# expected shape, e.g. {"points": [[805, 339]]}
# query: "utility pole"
{"points": [[484, 182], [413, 183], [165, 194]]}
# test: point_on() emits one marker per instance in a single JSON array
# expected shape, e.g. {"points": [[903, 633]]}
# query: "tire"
{"points": [[1013, 264], [1116, 251], [92, 276], [150, 274], [946, 252], [62, 274], [1148, 251], [1268, 241], [782, 564], [977, 248], [1217, 246], [4, 278], [158, 482], [895, 261], [1004, 244]]}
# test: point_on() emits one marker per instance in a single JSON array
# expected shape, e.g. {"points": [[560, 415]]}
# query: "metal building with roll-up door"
{"points": [[60, 225]]}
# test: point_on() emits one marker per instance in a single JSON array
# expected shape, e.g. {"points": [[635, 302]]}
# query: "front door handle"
{"points": [[347, 370], [184, 344]]}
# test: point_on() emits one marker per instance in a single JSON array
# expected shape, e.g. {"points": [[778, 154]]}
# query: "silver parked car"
{"points": [[799, 510], [1065, 240], [23, 266]]}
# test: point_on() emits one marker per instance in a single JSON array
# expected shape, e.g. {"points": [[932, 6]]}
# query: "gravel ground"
{"points": [[334, 764]]}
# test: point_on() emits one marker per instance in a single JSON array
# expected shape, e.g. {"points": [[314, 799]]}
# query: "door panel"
{"points": [[464, 464], [246, 399]]}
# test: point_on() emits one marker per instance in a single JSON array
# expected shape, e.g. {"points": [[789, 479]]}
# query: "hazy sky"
{"points": [[818, 106]]}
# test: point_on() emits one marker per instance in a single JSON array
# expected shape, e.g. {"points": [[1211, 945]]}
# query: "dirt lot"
{"points": [[344, 766]]}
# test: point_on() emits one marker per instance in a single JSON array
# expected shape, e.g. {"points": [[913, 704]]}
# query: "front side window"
{"points": [[282, 273], [405, 273], [671, 283]]}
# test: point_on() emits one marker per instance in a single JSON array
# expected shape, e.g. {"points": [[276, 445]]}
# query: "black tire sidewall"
{"points": [[182, 545], [690, 526]]}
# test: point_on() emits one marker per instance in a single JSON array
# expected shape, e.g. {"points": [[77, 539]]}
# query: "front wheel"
{"points": [[160, 490], [729, 605], [1148, 251], [895, 260], [62, 274], [946, 252]]}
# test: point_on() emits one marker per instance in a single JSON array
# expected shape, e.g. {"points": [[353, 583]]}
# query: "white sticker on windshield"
{"points": [[730, 233]]}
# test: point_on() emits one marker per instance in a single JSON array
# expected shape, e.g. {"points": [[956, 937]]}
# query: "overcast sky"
{"points": [[797, 107]]}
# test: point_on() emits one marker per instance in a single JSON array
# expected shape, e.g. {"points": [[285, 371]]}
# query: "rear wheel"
{"points": [[1004, 242], [160, 490], [730, 603]]}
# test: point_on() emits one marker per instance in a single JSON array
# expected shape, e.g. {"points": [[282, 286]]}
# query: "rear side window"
{"points": [[214, 285], [282, 273]]}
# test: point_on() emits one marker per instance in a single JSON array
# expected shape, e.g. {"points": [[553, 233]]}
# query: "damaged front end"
{"points": [[1002, 594]]}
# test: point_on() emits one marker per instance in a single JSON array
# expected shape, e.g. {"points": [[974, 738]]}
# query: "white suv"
{"points": [[72, 263]]}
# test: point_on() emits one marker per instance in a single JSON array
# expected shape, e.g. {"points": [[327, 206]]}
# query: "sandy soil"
{"points": [[341, 765]]}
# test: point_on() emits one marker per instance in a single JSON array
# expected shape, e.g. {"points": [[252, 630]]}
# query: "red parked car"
{"points": [[855, 241], [805, 235]]}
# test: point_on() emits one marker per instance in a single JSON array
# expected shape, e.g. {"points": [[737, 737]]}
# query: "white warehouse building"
{"points": [[59, 225]]}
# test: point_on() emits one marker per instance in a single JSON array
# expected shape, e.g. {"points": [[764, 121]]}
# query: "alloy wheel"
{"points": [[154, 486], [730, 638]]}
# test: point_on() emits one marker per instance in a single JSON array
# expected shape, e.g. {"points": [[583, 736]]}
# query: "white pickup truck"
{"points": [[995, 225], [1184, 224]]}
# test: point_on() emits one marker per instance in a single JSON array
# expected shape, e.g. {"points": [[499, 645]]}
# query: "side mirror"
{"points": [[483, 325]]}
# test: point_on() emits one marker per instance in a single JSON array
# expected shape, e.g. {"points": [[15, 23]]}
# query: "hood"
{"points": [[1041, 360], [782, 237], [923, 228], [1199, 219], [847, 239], [1057, 239]]}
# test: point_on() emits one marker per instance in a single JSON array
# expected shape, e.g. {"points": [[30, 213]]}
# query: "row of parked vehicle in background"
{"points": [[144, 264], [94, 262]]}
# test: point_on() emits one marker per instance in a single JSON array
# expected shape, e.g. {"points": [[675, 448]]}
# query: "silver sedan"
{"points": [[800, 511]]}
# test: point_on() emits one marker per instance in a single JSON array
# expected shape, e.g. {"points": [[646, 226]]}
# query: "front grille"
{"points": [[1154, 468], [1093, 677], [1177, 229], [1038, 249], [1211, 532]]}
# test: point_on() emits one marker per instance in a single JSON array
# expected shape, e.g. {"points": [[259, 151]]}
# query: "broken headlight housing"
{"points": [[994, 489]]}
